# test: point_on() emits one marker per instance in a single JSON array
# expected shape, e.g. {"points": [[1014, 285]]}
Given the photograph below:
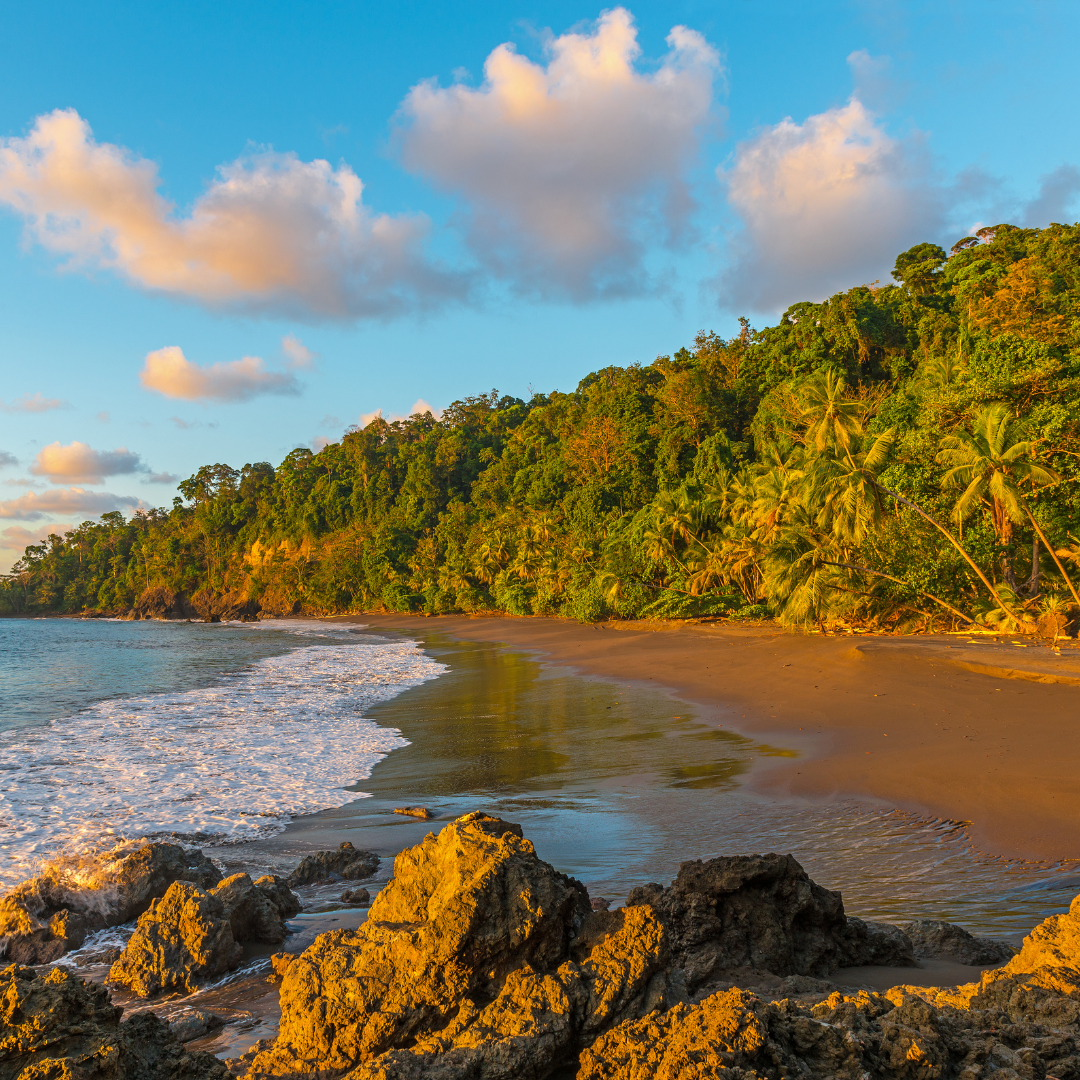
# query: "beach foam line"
{"points": [[231, 761]]}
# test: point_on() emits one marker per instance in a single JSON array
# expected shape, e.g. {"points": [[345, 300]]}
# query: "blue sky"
{"points": [[510, 196]]}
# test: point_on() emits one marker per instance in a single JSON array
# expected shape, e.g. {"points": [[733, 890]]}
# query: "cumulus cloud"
{"points": [[32, 403], [270, 233], [7, 459], [81, 464], [1058, 191], [825, 204], [162, 478], [568, 170], [168, 372], [68, 502], [419, 407], [16, 538]]}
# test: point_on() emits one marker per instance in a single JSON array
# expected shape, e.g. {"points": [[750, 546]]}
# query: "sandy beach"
{"points": [[972, 729]]}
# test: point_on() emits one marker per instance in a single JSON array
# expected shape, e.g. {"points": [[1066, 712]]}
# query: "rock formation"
{"points": [[931, 938], [48, 915], [192, 935], [344, 864], [57, 1026]]}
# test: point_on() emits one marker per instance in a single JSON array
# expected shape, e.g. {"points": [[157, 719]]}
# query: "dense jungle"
{"points": [[902, 456]]}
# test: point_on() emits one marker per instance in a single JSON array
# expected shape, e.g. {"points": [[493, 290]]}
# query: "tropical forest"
{"points": [[901, 457]]}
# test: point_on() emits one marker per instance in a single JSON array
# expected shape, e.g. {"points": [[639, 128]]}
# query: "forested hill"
{"points": [[902, 455]]}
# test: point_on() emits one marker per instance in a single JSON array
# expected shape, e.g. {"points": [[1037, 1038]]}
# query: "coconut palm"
{"points": [[991, 464], [831, 417]]}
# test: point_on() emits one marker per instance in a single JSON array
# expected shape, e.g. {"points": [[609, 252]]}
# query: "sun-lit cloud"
{"points": [[161, 478], [569, 171], [78, 463], [68, 502], [32, 403], [825, 204], [16, 538], [271, 233], [419, 408], [168, 372], [297, 353], [7, 460]]}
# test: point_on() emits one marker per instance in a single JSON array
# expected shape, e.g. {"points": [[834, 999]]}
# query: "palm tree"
{"points": [[831, 418], [990, 464]]}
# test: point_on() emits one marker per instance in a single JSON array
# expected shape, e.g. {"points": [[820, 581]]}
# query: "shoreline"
{"points": [[944, 726]]}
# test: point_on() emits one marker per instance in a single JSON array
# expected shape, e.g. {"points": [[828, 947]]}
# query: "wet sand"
{"points": [[977, 730]]}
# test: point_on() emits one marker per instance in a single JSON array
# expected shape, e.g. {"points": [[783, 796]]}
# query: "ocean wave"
{"points": [[230, 761]]}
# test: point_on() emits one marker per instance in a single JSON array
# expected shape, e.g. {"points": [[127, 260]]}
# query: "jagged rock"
{"points": [[44, 917], [57, 1027], [344, 864], [421, 812], [256, 910], [235, 604], [180, 941], [160, 602], [932, 938], [762, 912], [464, 943], [359, 897], [279, 964]]}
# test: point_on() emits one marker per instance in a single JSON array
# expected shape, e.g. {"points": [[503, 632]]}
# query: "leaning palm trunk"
{"points": [[952, 540], [1053, 553]]}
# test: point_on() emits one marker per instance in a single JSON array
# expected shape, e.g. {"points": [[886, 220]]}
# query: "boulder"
{"points": [[256, 910], [180, 941], [762, 912], [344, 864], [932, 938], [48, 915], [57, 1026], [161, 602], [359, 897]]}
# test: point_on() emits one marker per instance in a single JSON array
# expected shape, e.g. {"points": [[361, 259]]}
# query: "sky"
{"points": [[231, 229]]}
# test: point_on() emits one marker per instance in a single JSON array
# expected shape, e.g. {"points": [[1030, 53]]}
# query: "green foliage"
{"points": [[888, 456]]}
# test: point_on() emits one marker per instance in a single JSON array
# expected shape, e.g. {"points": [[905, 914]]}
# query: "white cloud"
{"points": [[569, 171], [81, 464], [32, 403], [271, 233], [68, 502], [102, 416], [161, 478], [7, 460], [320, 442], [188, 425], [418, 407], [168, 372], [16, 538], [826, 204], [297, 353]]}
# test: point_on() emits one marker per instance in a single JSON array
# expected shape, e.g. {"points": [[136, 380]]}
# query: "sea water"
{"points": [[114, 731]]}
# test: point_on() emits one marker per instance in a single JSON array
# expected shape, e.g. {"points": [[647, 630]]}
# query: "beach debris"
{"points": [[600, 903], [51, 914], [191, 934], [194, 1024], [421, 812], [346, 863], [932, 939], [359, 897], [57, 1025]]}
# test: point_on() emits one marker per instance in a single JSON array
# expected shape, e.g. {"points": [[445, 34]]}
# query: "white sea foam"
{"points": [[236, 759]]}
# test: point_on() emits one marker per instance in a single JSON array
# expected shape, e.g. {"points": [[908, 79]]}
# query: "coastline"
{"points": [[965, 729]]}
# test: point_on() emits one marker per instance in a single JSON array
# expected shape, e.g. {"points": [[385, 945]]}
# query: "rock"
{"points": [[57, 1027], [180, 941], [463, 947], [48, 915], [359, 897], [421, 812], [194, 1024], [160, 602], [764, 913], [600, 903], [256, 910], [279, 964], [211, 606], [931, 938], [344, 864]]}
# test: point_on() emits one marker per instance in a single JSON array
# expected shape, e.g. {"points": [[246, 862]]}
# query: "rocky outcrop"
{"points": [[192, 935], [344, 864], [232, 605], [48, 915], [933, 939], [161, 602], [57, 1026], [763, 912]]}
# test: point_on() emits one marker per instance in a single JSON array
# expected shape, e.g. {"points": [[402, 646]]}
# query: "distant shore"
{"points": [[975, 730]]}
